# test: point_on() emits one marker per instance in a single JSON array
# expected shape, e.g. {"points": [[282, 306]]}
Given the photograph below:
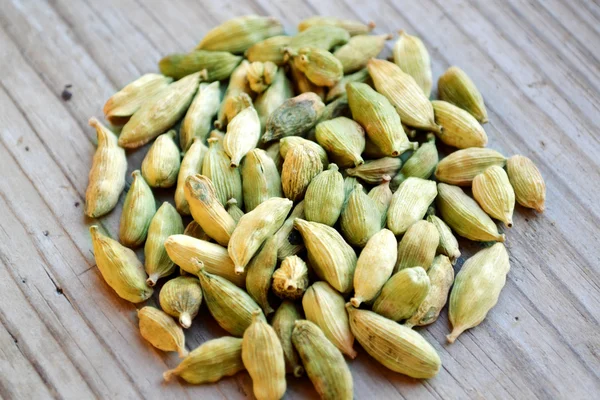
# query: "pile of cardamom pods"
{"points": [[316, 216]]}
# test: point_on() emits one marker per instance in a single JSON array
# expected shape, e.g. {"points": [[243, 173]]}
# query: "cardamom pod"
{"points": [[229, 305], [128, 100], [353, 27], [233, 210], [198, 118], [339, 89], [288, 142], [206, 209], [107, 176], [159, 113], [300, 166], [217, 134], [227, 180], [374, 266], [455, 86], [289, 240], [411, 55], [418, 246], [320, 66], [270, 49], [379, 118], [448, 243], [494, 193], [441, 276], [166, 222], [420, 164], [402, 294], [237, 104], [373, 171], [324, 306], [337, 108], [332, 259], [217, 65], [280, 90], [283, 324], [273, 153], [194, 230], [138, 209], [183, 250], [120, 268], [260, 179], [464, 215], [527, 182], [160, 166], [320, 36], [261, 75], [382, 197], [294, 117], [355, 54], [323, 362], [263, 358], [190, 165], [460, 167], [243, 133], [254, 228], [343, 139], [360, 218], [161, 331], [301, 82], [395, 346], [325, 197], [260, 273], [181, 298], [238, 83], [290, 280], [409, 204], [476, 288], [461, 129], [210, 362], [404, 93], [238, 34]]}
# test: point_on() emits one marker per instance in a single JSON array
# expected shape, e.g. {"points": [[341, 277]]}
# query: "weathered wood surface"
{"points": [[64, 334]]}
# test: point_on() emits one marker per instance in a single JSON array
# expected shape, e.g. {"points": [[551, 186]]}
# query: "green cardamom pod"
{"points": [[420, 164], [216, 65], [320, 66], [294, 117], [261, 75], [283, 324], [409, 204], [226, 179], [343, 139], [495, 195], [373, 171], [260, 273], [455, 86], [190, 165], [161, 331], [527, 182], [418, 246], [300, 166], [411, 55], [320, 36], [339, 89], [270, 49], [198, 118], [325, 196], [302, 84], [233, 210], [268, 101], [238, 83], [274, 154], [289, 240], [461, 129], [181, 298], [360, 218], [287, 143], [402, 294], [349, 183], [353, 27], [243, 133], [448, 243], [260, 179], [138, 209], [355, 54], [460, 167], [382, 197], [290, 280], [160, 166]]}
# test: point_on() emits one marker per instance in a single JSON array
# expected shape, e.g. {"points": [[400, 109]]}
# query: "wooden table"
{"points": [[65, 334]]}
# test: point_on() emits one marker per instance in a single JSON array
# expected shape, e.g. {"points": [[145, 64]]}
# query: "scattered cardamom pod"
{"points": [[441, 276], [198, 118], [190, 165], [325, 196], [395, 346], [216, 65], [373, 171], [324, 37], [343, 139], [494, 193], [409, 204], [382, 197], [411, 55], [261, 75], [402, 294], [138, 209], [210, 362], [159, 113], [328, 253], [280, 90], [260, 274], [283, 324], [238, 34], [262, 355], [289, 240], [238, 83], [360, 218], [527, 182], [476, 289], [323, 362], [421, 163], [181, 298], [418, 246], [461, 129], [339, 89], [260, 179], [290, 280], [226, 179], [120, 268], [448, 243], [455, 86], [161, 331], [107, 175], [353, 27], [460, 167], [374, 266], [404, 93], [160, 166], [243, 133], [287, 143], [294, 117], [270, 49], [166, 222], [300, 166], [464, 215], [254, 228], [233, 210], [324, 306], [355, 54]]}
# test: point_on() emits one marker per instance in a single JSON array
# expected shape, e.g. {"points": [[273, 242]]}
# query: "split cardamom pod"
{"points": [[411, 55], [410, 203], [460, 167], [161, 331], [382, 197], [283, 324], [300, 166], [138, 209], [448, 243], [260, 179], [343, 139], [160, 166], [213, 65], [190, 165], [461, 129], [455, 86], [325, 196], [402, 294], [261, 75], [181, 298], [418, 246], [355, 54], [194, 230], [226, 179], [269, 50], [527, 182], [290, 280], [495, 195], [243, 133], [294, 117], [353, 27], [373, 171], [360, 219], [260, 274], [198, 118]]}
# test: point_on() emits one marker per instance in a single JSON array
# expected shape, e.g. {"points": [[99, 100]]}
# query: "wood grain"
{"points": [[65, 334]]}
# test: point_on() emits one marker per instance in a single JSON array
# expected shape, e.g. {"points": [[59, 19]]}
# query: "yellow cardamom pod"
{"points": [[332, 259], [288, 142], [448, 243], [237, 104], [455, 86], [460, 167], [325, 196], [323, 362], [476, 288], [464, 215], [198, 118], [261, 75], [270, 49], [494, 193], [283, 324], [360, 218], [395, 346], [300, 166], [411, 55], [418, 246], [160, 166], [260, 179], [289, 240], [238, 83], [210, 362], [226, 179], [461, 129], [120, 268], [402, 294], [373, 171], [260, 273], [243, 133], [290, 280], [382, 197], [294, 117], [320, 36], [410, 203], [181, 298], [107, 175], [138, 209], [216, 65], [339, 89], [194, 230], [353, 27], [166, 222], [190, 165], [233, 210], [421, 163], [527, 182], [320, 66], [263, 358], [161, 331], [343, 139], [355, 54], [268, 101]]}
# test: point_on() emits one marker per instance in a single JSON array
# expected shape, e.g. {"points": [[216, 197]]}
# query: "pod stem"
{"points": [[355, 301], [185, 320], [182, 351], [239, 269], [152, 278], [455, 334], [298, 371], [169, 375]]}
